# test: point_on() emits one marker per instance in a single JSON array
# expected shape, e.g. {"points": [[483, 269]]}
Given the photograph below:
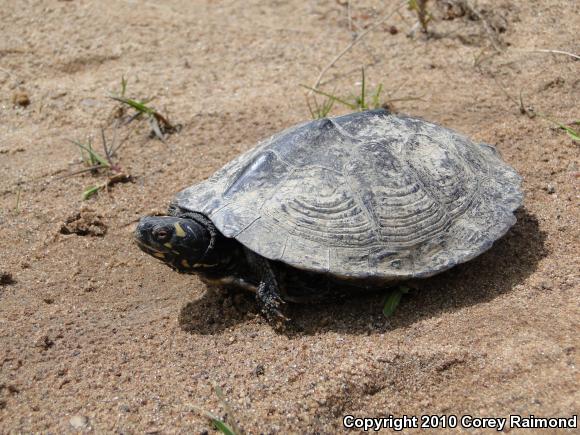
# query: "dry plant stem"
{"points": [[4, 70], [543, 50], [504, 90], [105, 147], [486, 26], [422, 13], [17, 206], [353, 43], [528, 111], [115, 149], [80, 171], [349, 13]]}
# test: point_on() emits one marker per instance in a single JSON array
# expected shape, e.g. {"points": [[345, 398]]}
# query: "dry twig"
{"points": [[543, 50], [489, 30], [353, 43]]}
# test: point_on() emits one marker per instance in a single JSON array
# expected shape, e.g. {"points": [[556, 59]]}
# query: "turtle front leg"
{"points": [[268, 293]]}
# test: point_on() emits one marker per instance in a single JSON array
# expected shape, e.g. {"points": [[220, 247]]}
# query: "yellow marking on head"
{"points": [[168, 245], [179, 232], [147, 246], [159, 254], [186, 264]]}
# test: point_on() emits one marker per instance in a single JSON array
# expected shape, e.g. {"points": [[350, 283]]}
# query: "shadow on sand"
{"points": [[508, 263]]}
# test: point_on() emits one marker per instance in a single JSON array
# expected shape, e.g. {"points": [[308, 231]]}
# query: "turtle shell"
{"points": [[365, 195]]}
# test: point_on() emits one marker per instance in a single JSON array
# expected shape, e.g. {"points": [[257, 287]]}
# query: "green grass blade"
{"points": [[95, 157], [362, 91], [84, 157], [332, 97], [229, 410], [393, 300], [573, 134], [569, 130], [319, 111], [140, 106], [377, 97], [221, 425], [90, 191], [327, 107], [313, 114], [123, 86], [91, 153]]}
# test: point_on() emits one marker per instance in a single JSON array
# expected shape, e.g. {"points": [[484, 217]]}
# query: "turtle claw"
{"points": [[276, 317], [271, 304]]}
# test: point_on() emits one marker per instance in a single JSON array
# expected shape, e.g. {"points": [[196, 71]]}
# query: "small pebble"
{"points": [[6, 278], [44, 342], [79, 422], [21, 99], [259, 370], [90, 102], [550, 189]]}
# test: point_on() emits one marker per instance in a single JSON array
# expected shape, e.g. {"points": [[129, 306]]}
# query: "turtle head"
{"points": [[180, 243]]}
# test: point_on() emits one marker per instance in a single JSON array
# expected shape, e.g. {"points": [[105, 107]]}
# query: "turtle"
{"points": [[361, 201]]}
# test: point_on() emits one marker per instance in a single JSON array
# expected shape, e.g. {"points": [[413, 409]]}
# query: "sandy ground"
{"points": [[94, 335]]}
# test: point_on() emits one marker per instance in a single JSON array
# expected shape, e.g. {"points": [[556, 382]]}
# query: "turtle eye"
{"points": [[161, 234]]}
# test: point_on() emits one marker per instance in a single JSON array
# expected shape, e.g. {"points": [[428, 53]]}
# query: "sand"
{"points": [[96, 336]]}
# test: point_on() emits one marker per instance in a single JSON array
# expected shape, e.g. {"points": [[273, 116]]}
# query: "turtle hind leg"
{"points": [[268, 292], [270, 302]]}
